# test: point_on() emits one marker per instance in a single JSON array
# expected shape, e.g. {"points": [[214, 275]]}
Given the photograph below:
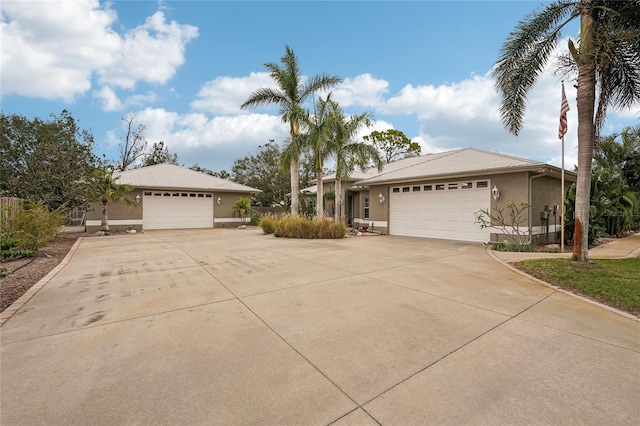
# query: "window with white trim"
{"points": [[366, 208]]}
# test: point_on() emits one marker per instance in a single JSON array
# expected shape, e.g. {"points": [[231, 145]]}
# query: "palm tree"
{"points": [[109, 190], [318, 138], [348, 153], [290, 95], [607, 60]]}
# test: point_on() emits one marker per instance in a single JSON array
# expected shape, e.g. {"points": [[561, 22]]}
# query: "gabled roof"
{"points": [[462, 162], [170, 176]]}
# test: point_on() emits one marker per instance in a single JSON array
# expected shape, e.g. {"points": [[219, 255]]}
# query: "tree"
{"points": [[317, 139], [607, 61], [50, 161], [348, 153], [222, 174], [242, 208], [159, 155], [393, 144], [291, 92], [110, 191], [262, 170], [134, 145]]}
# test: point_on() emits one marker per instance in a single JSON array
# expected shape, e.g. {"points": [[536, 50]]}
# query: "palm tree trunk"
{"points": [[585, 100], [319, 196], [295, 186], [104, 223], [338, 201]]}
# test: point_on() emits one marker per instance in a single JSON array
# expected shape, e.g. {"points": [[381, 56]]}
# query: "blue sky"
{"points": [[183, 69]]}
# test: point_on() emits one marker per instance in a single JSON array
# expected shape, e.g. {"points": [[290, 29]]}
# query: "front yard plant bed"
{"points": [[299, 227], [613, 282]]}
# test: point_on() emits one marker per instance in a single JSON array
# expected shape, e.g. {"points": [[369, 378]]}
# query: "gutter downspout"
{"points": [[530, 218]]}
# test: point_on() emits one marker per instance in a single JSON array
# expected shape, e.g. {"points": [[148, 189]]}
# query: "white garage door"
{"points": [[443, 210], [176, 210]]}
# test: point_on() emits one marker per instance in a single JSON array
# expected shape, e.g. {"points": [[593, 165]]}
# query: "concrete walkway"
{"points": [[233, 327]]}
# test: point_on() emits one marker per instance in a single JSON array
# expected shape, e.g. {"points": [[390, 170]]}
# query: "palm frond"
{"points": [[524, 56]]}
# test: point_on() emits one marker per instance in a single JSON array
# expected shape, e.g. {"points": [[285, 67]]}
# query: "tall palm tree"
{"points": [[607, 61], [349, 153], [110, 191], [318, 138], [291, 92]]}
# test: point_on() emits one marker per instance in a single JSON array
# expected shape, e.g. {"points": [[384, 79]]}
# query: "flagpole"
{"points": [[562, 198]]}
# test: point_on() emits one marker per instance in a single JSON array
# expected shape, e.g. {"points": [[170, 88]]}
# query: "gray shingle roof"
{"points": [[468, 161], [170, 176]]}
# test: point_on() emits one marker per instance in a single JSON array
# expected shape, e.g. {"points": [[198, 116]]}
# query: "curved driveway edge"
{"points": [[15, 306], [509, 265]]}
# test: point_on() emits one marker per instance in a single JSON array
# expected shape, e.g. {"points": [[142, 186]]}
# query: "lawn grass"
{"points": [[614, 282]]}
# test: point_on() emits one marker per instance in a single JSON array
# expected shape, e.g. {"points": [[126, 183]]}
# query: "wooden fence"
{"points": [[8, 207]]}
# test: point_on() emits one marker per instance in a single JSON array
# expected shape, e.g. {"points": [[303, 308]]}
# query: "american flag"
{"points": [[564, 107]]}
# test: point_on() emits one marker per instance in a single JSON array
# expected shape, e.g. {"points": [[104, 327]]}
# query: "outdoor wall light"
{"points": [[495, 192], [219, 200], [381, 198], [137, 198]]}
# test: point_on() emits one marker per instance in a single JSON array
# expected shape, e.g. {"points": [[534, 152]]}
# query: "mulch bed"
{"points": [[24, 273]]}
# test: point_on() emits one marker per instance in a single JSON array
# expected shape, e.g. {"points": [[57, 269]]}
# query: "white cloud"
{"points": [[363, 90], [224, 95], [108, 99], [185, 134], [52, 51], [151, 52]]}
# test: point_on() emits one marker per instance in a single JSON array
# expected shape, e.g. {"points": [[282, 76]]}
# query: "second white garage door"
{"points": [[443, 210], [177, 210]]}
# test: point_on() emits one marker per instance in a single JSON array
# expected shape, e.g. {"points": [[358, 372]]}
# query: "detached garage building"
{"points": [[437, 195], [171, 197]]}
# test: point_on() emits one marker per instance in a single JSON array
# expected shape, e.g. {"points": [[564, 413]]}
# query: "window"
{"points": [[482, 184], [428, 187], [453, 186], [147, 193], [157, 194], [396, 189], [416, 188], [184, 194], [405, 189], [176, 194], [208, 195], [200, 195], [366, 208], [192, 195], [440, 187], [466, 185]]}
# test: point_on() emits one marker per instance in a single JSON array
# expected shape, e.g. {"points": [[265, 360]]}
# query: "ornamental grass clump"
{"points": [[299, 227], [268, 224]]}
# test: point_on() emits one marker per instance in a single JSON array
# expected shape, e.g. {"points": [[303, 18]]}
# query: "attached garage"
{"points": [[177, 210], [439, 210]]}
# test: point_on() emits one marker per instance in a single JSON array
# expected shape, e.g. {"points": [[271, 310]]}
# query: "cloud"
{"points": [[54, 50], [224, 95], [363, 90], [108, 99]]}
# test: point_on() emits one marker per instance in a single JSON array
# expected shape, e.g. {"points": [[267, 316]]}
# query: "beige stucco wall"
{"points": [[123, 216], [514, 188]]}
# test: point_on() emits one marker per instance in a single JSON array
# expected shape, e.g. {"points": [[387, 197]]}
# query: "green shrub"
{"points": [[34, 226], [512, 247], [300, 227], [255, 221], [10, 247]]}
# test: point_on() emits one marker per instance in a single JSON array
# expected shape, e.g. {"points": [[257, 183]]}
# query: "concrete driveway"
{"points": [[234, 327]]}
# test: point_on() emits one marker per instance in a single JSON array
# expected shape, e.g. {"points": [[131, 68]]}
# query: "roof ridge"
{"points": [[427, 158], [501, 154]]}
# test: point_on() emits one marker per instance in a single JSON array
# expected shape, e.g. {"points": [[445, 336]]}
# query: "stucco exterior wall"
{"points": [[123, 216], [514, 188], [223, 216]]}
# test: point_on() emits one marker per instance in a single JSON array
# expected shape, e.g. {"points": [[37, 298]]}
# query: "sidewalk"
{"points": [[615, 249]]}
